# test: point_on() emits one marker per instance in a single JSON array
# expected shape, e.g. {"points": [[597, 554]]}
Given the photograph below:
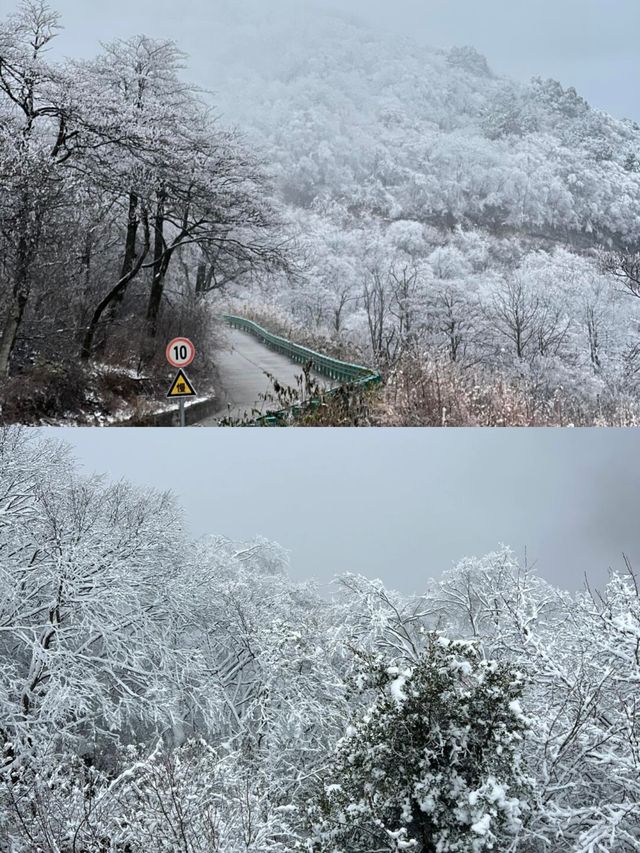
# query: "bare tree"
{"points": [[406, 305], [455, 318], [514, 313], [343, 295], [395, 311], [625, 267], [531, 322], [36, 143], [383, 336]]}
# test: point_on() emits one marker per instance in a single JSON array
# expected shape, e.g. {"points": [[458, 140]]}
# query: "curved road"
{"points": [[242, 369]]}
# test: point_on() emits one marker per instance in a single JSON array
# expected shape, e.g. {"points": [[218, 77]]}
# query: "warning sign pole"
{"points": [[180, 353]]}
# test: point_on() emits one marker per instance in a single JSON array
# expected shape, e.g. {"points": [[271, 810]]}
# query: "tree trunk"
{"points": [[87, 344], [161, 258], [10, 330], [128, 262], [201, 277], [18, 301]]}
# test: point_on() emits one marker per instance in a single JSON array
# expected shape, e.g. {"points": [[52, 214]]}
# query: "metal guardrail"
{"points": [[352, 375]]}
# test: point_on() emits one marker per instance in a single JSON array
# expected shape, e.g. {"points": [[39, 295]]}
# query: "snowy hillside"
{"points": [[387, 126], [442, 211]]}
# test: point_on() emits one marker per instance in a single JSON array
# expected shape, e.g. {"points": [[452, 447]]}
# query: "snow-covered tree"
{"points": [[161, 694], [435, 762]]}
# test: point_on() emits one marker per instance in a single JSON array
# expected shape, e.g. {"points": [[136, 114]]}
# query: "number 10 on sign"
{"points": [[180, 352]]}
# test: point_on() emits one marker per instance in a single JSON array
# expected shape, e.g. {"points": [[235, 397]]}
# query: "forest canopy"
{"points": [[160, 694]]}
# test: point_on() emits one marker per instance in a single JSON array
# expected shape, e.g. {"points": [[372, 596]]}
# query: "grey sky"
{"points": [[590, 44], [401, 504]]}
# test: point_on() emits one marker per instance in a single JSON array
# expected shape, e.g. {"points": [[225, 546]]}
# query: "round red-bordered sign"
{"points": [[180, 352]]}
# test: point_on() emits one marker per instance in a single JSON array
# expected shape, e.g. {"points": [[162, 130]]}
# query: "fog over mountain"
{"points": [[472, 237], [583, 43], [432, 196]]}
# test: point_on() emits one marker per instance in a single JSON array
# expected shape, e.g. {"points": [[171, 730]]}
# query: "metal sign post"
{"points": [[180, 353]]}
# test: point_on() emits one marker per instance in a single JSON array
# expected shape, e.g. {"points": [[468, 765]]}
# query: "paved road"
{"points": [[242, 370]]}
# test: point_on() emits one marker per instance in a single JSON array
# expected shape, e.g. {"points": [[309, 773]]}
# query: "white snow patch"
{"points": [[397, 685], [516, 709], [481, 827]]}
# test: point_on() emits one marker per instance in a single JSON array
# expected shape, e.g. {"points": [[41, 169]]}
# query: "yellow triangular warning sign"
{"points": [[181, 387]]}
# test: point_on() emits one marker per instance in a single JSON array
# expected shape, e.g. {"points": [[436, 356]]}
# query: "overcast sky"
{"points": [[590, 44], [400, 504]]}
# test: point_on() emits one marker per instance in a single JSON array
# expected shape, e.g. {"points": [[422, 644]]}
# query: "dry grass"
{"points": [[439, 393]]}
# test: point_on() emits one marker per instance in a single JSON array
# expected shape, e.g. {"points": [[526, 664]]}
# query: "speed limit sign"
{"points": [[180, 352]]}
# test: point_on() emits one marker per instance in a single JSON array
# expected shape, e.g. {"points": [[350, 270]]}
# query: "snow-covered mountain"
{"points": [[386, 126], [443, 210]]}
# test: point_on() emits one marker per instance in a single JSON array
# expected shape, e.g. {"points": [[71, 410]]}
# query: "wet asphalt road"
{"points": [[242, 369]]}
